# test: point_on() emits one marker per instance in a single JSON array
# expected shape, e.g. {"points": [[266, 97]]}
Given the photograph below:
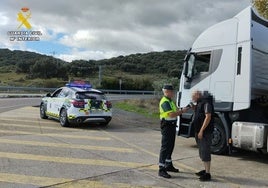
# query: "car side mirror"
{"points": [[48, 95]]}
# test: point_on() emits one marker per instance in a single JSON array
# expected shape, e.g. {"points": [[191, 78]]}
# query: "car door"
{"points": [[52, 102], [61, 98]]}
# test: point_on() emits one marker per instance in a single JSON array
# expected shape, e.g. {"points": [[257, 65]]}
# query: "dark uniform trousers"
{"points": [[168, 132]]}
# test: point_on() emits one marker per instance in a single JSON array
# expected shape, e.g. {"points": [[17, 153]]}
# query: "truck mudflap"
{"points": [[250, 136]]}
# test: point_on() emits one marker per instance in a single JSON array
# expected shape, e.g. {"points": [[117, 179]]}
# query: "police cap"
{"points": [[168, 87]]}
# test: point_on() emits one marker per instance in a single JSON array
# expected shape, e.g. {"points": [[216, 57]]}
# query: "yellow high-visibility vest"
{"points": [[170, 106]]}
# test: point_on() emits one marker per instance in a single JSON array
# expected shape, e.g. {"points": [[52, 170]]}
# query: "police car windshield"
{"points": [[90, 95]]}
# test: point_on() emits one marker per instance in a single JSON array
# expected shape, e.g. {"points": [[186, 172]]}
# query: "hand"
{"points": [[184, 110], [200, 135]]}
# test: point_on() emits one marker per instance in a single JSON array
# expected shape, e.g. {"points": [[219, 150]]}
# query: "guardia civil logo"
{"points": [[24, 30], [23, 17]]}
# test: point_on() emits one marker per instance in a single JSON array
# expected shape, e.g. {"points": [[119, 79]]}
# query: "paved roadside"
{"points": [[40, 153]]}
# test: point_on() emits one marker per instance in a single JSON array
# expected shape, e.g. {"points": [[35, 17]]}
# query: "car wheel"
{"points": [[43, 114], [63, 118]]}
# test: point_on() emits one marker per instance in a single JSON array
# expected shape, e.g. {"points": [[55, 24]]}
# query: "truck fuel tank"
{"points": [[250, 136]]}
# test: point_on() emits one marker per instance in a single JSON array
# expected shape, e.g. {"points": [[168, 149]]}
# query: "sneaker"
{"points": [[163, 173], [171, 168], [205, 177], [200, 173]]}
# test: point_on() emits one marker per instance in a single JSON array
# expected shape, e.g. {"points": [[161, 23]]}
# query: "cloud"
{"points": [[101, 29]]}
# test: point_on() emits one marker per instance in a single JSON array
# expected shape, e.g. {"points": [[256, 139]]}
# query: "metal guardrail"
{"points": [[21, 90]]}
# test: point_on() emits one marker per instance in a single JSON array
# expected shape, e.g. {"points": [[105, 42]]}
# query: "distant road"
{"points": [[7, 104]]}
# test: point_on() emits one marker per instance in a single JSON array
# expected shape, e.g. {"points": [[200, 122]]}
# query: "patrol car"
{"points": [[76, 103]]}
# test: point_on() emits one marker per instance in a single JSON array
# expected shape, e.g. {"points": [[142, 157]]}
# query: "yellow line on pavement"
{"points": [[186, 167], [32, 180], [68, 160], [55, 135], [32, 126], [63, 145], [34, 120], [99, 184]]}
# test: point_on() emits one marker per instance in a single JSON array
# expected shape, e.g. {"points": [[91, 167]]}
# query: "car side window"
{"points": [[64, 93], [56, 93]]}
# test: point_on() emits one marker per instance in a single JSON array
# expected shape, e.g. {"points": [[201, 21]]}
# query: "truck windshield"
{"points": [[191, 62]]}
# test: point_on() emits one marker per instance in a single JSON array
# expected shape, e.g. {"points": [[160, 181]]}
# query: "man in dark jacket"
{"points": [[203, 124]]}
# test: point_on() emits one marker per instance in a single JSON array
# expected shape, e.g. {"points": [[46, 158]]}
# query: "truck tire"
{"points": [[43, 114], [63, 118], [219, 143]]}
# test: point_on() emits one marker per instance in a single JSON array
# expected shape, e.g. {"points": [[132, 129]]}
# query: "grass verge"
{"points": [[145, 107]]}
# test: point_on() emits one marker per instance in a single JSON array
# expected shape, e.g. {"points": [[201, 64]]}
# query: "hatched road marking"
{"points": [[63, 145], [67, 160], [34, 123], [32, 180], [30, 126], [56, 135]]}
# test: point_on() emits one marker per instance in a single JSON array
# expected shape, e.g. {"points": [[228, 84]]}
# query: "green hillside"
{"points": [[137, 71]]}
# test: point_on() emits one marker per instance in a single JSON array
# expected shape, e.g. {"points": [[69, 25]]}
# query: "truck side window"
{"points": [[197, 64], [196, 68], [202, 62]]}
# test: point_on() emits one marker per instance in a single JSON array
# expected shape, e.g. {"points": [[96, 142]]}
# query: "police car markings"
{"points": [[33, 180], [55, 135], [68, 160], [63, 145]]}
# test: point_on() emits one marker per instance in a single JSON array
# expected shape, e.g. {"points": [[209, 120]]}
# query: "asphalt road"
{"points": [[7, 104], [39, 153]]}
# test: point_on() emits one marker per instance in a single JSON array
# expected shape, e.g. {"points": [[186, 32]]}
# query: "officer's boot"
{"points": [[163, 173], [170, 168]]}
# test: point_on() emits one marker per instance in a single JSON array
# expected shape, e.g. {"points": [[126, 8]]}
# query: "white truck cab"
{"points": [[233, 57]]}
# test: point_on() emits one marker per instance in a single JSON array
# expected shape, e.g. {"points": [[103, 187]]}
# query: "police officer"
{"points": [[168, 117], [204, 125]]}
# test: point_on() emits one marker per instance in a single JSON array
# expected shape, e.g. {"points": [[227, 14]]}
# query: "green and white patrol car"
{"points": [[76, 103]]}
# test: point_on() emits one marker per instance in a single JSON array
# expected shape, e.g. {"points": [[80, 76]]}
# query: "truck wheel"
{"points": [[43, 111], [63, 118], [219, 144]]}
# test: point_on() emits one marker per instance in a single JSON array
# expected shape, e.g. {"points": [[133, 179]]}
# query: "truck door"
{"points": [[195, 76]]}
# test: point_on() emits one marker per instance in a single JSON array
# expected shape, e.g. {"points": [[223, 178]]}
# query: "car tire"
{"points": [[64, 118], [43, 114]]}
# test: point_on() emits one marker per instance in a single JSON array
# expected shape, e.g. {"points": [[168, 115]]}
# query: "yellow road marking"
{"points": [[31, 126], [186, 167], [63, 145], [33, 180], [153, 167], [37, 120], [66, 160], [55, 135], [99, 184]]}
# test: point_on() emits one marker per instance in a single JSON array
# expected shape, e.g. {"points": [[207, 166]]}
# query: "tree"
{"points": [[262, 7]]}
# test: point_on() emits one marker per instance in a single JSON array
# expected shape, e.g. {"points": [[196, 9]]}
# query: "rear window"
{"points": [[90, 95]]}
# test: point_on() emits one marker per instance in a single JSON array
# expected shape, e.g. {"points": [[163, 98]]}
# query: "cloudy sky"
{"points": [[98, 29]]}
